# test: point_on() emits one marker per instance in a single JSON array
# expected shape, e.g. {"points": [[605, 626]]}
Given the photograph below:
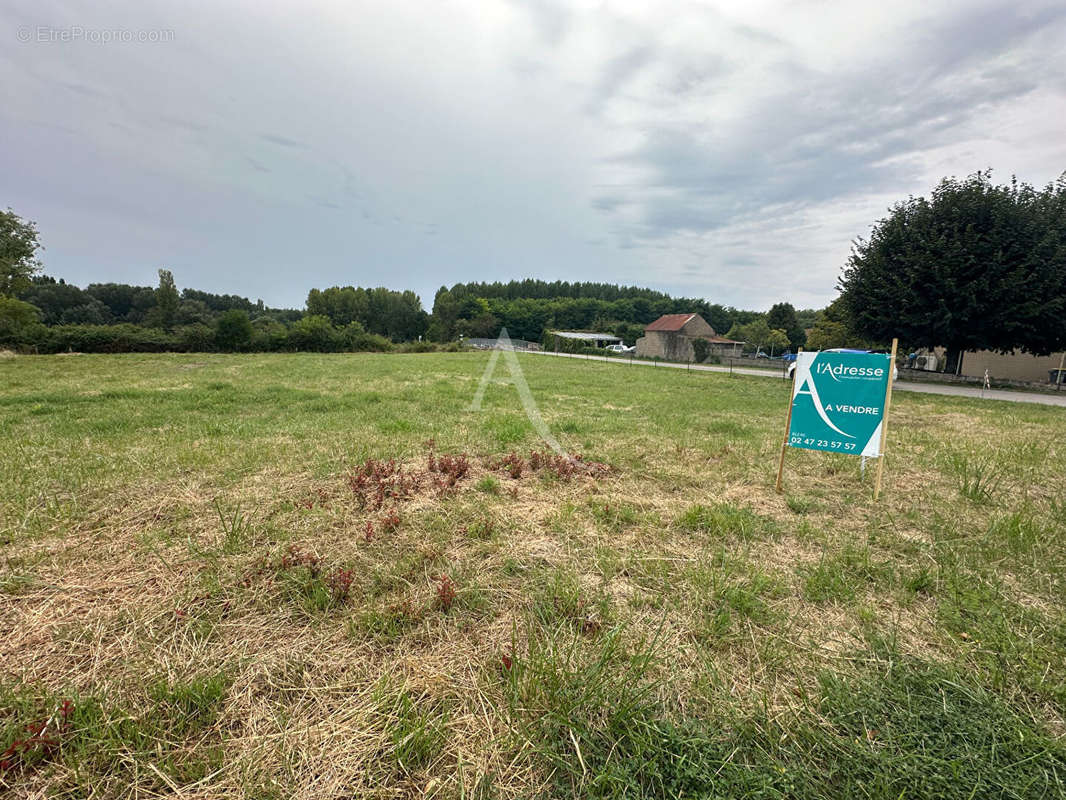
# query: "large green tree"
{"points": [[759, 335], [397, 315], [63, 303], [782, 316], [975, 266], [233, 330], [166, 302], [18, 253], [17, 321]]}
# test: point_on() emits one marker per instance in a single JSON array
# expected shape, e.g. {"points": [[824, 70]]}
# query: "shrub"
{"points": [[233, 331], [371, 343], [268, 335], [316, 333], [198, 338], [418, 347], [19, 323], [124, 338]]}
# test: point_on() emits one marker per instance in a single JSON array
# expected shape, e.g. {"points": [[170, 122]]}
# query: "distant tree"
{"points": [[701, 348], [445, 315], [827, 334], [758, 334], [192, 312], [166, 302], [197, 338], [806, 317], [833, 328], [233, 330], [63, 303], [18, 253], [314, 332], [782, 316], [17, 320], [628, 332], [397, 315], [975, 266], [483, 326], [221, 302], [125, 303], [777, 341], [269, 334]]}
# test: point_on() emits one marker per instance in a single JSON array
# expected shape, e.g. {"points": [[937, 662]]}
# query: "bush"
{"points": [[123, 338], [418, 347], [198, 338], [19, 325], [316, 333], [233, 331], [371, 343], [269, 335]]}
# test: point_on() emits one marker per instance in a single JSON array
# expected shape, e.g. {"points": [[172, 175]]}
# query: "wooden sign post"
{"points": [[788, 424], [884, 421]]}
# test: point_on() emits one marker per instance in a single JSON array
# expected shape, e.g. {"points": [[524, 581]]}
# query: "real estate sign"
{"points": [[838, 402]]}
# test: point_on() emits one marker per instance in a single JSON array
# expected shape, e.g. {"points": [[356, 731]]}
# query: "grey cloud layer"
{"points": [[699, 148]]}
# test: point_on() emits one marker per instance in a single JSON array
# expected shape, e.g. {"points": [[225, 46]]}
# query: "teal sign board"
{"points": [[838, 402]]}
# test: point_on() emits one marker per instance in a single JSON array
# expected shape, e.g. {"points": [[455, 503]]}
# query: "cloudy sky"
{"points": [[724, 150]]}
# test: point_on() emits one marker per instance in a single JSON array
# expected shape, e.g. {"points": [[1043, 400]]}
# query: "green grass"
{"points": [[184, 559]]}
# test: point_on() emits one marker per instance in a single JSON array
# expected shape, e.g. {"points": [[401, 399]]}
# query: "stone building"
{"points": [[670, 337]]}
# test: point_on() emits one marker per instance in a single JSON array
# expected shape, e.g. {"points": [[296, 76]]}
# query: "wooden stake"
{"points": [[884, 420], [788, 422]]}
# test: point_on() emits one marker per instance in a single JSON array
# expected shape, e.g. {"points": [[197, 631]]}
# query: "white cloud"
{"points": [[727, 151]]}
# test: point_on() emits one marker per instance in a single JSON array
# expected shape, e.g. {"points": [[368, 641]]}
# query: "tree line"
{"points": [[976, 265], [45, 314], [530, 307]]}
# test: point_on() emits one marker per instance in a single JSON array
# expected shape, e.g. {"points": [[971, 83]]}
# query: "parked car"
{"points": [[792, 365], [619, 348]]}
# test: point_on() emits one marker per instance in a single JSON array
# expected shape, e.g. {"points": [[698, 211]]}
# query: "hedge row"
{"points": [[127, 338]]}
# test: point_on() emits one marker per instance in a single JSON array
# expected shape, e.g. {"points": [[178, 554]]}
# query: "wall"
{"points": [[697, 326], [652, 345], [1016, 366]]}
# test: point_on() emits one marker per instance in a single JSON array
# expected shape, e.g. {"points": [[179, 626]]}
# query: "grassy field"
{"points": [[277, 576]]}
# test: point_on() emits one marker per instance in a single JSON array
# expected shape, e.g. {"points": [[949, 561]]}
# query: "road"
{"points": [[953, 390]]}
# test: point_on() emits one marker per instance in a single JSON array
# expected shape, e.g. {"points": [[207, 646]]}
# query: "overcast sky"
{"points": [[729, 151]]}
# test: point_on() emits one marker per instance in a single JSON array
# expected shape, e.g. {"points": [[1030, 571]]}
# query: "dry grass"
{"points": [[166, 565]]}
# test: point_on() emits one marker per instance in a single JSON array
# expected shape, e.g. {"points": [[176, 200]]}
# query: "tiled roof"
{"points": [[670, 322]]}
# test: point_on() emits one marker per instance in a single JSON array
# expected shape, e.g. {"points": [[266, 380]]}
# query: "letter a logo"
{"points": [[812, 392]]}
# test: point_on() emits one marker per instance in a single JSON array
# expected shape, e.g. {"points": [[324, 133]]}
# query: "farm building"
{"points": [[568, 341], [1015, 366], [671, 337]]}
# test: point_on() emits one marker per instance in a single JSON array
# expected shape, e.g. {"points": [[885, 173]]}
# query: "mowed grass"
{"points": [[206, 589]]}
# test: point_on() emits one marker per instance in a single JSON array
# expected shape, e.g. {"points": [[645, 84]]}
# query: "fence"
{"points": [[492, 344]]}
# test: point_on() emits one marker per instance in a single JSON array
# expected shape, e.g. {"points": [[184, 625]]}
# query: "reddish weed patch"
{"points": [[340, 584], [445, 593], [377, 481], [562, 467], [391, 521], [42, 738], [295, 557]]}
